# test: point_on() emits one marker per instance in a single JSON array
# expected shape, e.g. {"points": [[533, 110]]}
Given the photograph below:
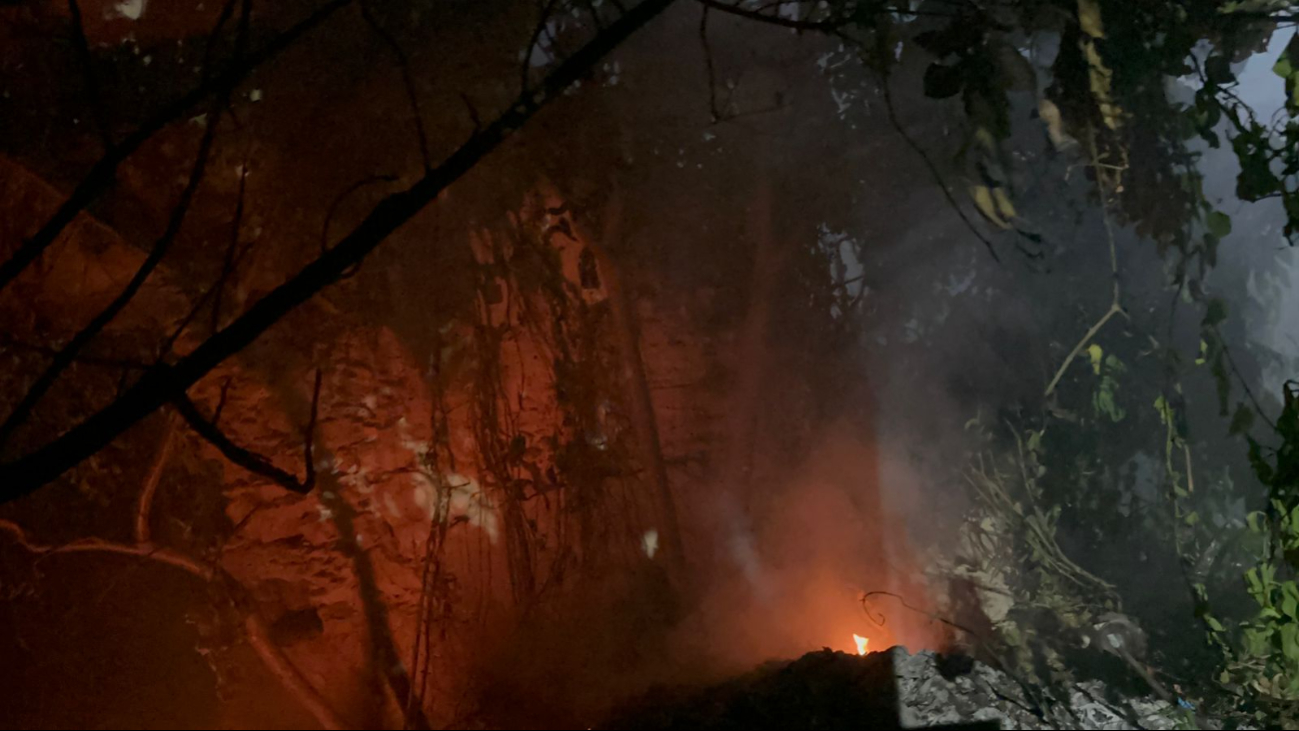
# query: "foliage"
{"points": [[1037, 598], [1263, 650]]}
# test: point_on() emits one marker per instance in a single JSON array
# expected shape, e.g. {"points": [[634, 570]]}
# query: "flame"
{"points": [[861, 643]]}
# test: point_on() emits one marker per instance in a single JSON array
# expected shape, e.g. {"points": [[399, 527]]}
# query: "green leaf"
{"points": [[1290, 600], [1219, 223], [1283, 67], [1289, 636], [1242, 420], [1096, 354], [1254, 582], [1214, 624]]}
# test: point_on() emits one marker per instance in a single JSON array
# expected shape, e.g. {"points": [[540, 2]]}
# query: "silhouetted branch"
{"points": [[234, 254], [10, 342], [222, 400], [708, 63], [68, 354], [104, 171], [934, 172], [829, 24], [249, 460], [526, 62], [257, 633], [214, 293], [87, 62], [473, 111], [164, 384], [144, 507], [341, 198], [403, 63]]}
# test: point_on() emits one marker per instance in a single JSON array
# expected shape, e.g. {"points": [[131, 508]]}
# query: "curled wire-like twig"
{"points": [[866, 607], [986, 645]]}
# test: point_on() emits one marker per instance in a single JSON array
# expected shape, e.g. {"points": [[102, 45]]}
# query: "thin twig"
{"points": [[708, 64], [68, 354], [258, 634], [526, 62], [165, 384], [87, 61], [8, 341], [1086, 338], [816, 25], [102, 174], [144, 507], [1116, 307], [246, 458], [412, 97], [1231, 363], [232, 255], [933, 168], [341, 198]]}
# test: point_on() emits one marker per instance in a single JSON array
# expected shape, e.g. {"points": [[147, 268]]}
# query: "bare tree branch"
{"points": [[233, 252], [104, 171], [166, 383], [87, 61], [68, 354], [829, 24], [249, 460], [934, 172], [526, 62], [99, 545], [257, 633], [125, 364], [338, 201], [403, 63], [144, 506], [708, 63], [214, 293]]}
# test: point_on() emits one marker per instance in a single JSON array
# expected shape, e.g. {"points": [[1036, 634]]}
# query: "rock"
{"points": [[889, 689]]}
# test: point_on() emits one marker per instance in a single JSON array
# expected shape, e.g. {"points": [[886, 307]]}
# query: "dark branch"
{"points": [[248, 459], [829, 24], [403, 63], [68, 355], [105, 170], [233, 251], [708, 63], [87, 61], [166, 383], [342, 197], [526, 62], [934, 172], [9, 342]]}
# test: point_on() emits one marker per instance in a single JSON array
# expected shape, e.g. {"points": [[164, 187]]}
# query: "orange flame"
{"points": [[861, 643]]}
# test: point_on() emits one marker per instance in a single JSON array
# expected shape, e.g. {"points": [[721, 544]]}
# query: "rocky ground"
{"points": [[890, 689]]}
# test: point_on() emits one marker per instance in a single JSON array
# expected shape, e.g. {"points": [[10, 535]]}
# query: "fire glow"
{"points": [[862, 642]]}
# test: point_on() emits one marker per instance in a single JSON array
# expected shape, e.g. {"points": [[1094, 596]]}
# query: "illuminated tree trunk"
{"points": [[751, 351], [626, 328]]}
